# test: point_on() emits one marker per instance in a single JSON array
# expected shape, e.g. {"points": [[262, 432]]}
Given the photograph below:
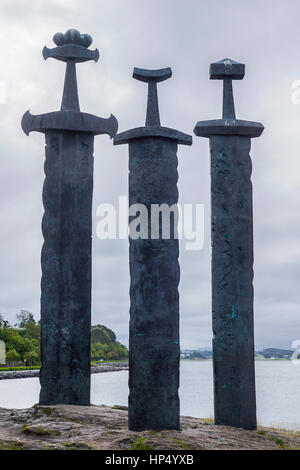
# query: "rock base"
{"points": [[64, 427]]}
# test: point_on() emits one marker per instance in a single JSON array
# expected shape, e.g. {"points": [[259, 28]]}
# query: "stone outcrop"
{"points": [[64, 427]]}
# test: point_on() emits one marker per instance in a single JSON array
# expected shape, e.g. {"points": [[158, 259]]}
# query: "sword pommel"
{"points": [[145, 75], [227, 68], [71, 47]]}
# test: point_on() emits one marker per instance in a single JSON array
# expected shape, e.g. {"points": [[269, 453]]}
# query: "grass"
{"points": [[141, 444], [20, 368], [15, 369], [98, 363], [80, 446], [209, 420], [40, 431], [11, 445], [182, 444], [25, 429], [69, 446], [280, 442], [47, 411], [270, 434], [286, 432]]}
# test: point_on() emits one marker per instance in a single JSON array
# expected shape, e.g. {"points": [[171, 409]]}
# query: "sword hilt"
{"points": [[227, 70], [72, 47], [152, 77]]}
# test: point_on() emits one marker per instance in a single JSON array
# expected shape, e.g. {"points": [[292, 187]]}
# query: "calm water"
{"points": [[277, 385]]}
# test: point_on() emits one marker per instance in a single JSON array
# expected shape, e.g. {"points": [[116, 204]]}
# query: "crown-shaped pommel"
{"points": [[71, 47]]}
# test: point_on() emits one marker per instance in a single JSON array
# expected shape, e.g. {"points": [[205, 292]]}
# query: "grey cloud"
{"points": [[186, 36]]}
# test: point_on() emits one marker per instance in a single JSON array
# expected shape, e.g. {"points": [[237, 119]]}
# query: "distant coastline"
{"points": [[265, 354], [31, 373]]}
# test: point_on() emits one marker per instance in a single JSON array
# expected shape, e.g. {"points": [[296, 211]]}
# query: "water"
{"points": [[277, 386]]}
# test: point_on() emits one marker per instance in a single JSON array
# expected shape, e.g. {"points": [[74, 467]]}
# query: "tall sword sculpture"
{"points": [[232, 255], [67, 230], [154, 269]]}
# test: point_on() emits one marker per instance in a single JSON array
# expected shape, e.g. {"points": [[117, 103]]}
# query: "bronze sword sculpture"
{"points": [[232, 255], [67, 230], [154, 350]]}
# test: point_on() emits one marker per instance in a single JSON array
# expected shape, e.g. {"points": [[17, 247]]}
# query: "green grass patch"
{"points": [[16, 369], [11, 445], [20, 368], [284, 432], [141, 444], [271, 437], [26, 429], [209, 420], [182, 444], [97, 363], [47, 411], [280, 442], [69, 445], [40, 431]]}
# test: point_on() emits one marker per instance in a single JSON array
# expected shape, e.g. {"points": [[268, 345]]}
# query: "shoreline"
{"points": [[32, 373], [106, 367]]}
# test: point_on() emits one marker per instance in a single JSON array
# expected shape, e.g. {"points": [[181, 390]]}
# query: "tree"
{"points": [[12, 356], [3, 323], [24, 342], [32, 358], [24, 318], [102, 334], [33, 330]]}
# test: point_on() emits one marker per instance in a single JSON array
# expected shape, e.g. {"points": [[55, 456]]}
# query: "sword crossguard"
{"points": [[227, 70], [152, 77]]}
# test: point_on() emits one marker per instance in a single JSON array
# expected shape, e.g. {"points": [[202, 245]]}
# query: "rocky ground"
{"points": [[104, 428]]}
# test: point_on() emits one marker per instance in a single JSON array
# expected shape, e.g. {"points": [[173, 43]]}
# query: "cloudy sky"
{"points": [[186, 35]]}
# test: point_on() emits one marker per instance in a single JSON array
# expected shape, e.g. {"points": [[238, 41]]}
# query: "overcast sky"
{"points": [[187, 36]]}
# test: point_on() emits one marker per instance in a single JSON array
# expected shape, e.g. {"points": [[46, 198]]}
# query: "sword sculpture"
{"points": [[67, 230], [154, 269], [232, 255]]}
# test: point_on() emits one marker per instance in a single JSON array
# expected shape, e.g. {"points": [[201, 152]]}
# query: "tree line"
{"points": [[22, 341]]}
